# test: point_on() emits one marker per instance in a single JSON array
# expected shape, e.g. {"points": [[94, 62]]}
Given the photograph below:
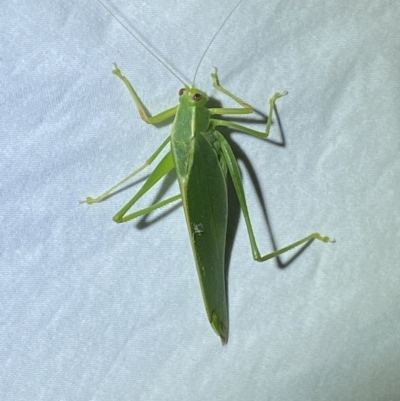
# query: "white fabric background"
{"points": [[92, 310]]}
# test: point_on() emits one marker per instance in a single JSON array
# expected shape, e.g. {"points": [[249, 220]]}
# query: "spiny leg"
{"points": [[245, 109], [149, 209], [148, 119], [237, 182], [89, 200], [162, 168], [144, 115]]}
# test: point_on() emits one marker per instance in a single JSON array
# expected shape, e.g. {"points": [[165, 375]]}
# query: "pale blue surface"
{"points": [[91, 310]]}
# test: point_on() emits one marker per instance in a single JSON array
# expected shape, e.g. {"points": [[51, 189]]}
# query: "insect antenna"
{"points": [[141, 42], [212, 40]]}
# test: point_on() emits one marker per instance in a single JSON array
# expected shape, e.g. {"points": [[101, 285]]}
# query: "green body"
{"points": [[197, 159], [202, 157]]}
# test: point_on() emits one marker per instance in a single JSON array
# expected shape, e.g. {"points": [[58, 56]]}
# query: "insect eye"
{"points": [[181, 91], [196, 96]]}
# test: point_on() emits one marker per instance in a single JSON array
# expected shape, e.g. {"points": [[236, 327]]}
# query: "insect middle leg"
{"points": [[89, 200], [162, 169]]}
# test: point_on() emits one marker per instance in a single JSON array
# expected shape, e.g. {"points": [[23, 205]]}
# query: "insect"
{"points": [[202, 158]]}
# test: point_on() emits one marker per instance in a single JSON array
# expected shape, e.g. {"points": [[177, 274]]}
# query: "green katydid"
{"points": [[201, 157]]}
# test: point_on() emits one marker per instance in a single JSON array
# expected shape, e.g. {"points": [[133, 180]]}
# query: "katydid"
{"points": [[201, 157]]}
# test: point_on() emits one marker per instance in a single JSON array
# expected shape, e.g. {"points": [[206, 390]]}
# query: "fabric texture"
{"points": [[93, 310]]}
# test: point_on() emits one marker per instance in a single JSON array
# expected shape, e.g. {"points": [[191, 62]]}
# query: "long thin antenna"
{"points": [[141, 42], [212, 40]]}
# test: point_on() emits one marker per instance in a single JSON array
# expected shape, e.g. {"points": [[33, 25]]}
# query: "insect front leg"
{"points": [[245, 109], [144, 115], [237, 182]]}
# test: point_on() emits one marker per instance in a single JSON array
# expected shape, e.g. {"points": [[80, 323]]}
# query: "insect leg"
{"points": [[237, 182], [245, 109], [144, 115], [162, 168], [91, 200]]}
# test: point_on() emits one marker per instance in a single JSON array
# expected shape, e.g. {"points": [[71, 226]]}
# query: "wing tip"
{"points": [[220, 328]]}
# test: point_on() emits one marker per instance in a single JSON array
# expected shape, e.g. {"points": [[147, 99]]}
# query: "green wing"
{"points": [[205, 203]]}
